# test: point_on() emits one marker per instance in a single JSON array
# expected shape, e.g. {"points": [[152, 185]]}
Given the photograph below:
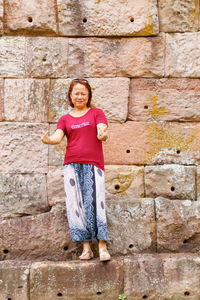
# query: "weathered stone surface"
{"points": [[124, 182], [26, 99], [47, 57], [141, 57], [55, 186], [198, 183], [178, 226], [74, 280], [182, 55], [35, 16], [170, 181], [92, 57], [22, 194], [100, 57], [14, 280], [178, 15], [40, 237], [109, 94], [1, 17], [166, 99], [56, 152], [162, 276], [1, 99], [151, 142], [21, 148], [58, 104], [12, 56], [100, 19], [131, 226]]}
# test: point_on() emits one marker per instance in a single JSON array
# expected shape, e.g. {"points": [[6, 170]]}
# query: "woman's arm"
{"points": [[53, 139], [102, 133]]}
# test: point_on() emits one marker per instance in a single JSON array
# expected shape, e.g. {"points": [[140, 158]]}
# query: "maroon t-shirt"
{"points": [[82, 143]]}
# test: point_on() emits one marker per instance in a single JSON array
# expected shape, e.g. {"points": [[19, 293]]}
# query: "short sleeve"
{"points": [[61, 125], [100, 117]]}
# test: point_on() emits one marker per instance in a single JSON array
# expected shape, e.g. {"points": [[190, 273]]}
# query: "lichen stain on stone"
{"points": [[194, 12], [160, 138], [148, 26], [155, 110], [124, 181], [98, 1]]}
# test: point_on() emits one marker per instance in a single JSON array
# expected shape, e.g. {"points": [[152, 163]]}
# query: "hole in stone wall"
{"points": [[84, 20], [5, 251], [131, 246], [185, 241], [172, 188], [132, 19], [44, 59], [98, 293], [128, 151], [30, 19], [187, 293], [178, 151], [59, 294], [146, 107], [20, 287], [117, 186], [144, 297], [9, 299], [65, 248]]}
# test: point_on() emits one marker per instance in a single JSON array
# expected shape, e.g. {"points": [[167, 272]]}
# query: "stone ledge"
{"points": [[142, 276]]}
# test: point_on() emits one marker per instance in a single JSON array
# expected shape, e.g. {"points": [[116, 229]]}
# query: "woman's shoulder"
{"points": [[96, 110]]}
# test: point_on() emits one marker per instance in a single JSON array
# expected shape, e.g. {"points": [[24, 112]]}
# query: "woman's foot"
{"points": [[104, 254], [86, 254]]}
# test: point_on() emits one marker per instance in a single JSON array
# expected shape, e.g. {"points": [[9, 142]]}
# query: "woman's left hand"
{"points": [[102, 133]]}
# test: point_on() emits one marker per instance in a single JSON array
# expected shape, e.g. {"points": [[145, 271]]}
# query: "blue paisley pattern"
{"points": [[85, 202]]}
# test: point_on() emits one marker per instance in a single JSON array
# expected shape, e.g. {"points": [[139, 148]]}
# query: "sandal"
{"points": [[104, 255], [86, 254]]}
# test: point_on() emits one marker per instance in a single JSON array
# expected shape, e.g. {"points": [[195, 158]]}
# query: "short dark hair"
{"points": [[83, 82]]}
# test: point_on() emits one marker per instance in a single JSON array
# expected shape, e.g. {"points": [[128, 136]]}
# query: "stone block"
{"points": [[153, 143], [178, 15], [166, 99], [55, 186], [170, 181], [1, 99], [182, 55], [1, 16], [30, 17], [21, 148], [178, 226], [124, 182], [98, 18], [162, 276], [141, 57], [101, 57], [40, 237], [47, 57], [14, 280], [26, 100], [131, 226], [109, 94], [12, 56], [74, 280], [22, 194]]}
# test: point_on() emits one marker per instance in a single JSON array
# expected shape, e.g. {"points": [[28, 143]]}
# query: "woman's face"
{"points": [[79, 96]]}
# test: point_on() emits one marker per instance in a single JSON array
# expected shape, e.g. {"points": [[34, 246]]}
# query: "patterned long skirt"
{"points": [[85, 202]]}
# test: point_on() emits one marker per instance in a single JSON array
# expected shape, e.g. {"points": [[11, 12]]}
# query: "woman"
{"points": [[85, 128]]}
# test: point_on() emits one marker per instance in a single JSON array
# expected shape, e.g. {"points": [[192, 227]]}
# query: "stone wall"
{"points": [[142, 59]]}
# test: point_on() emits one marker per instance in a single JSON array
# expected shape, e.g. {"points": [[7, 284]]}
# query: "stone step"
{"points": [[141, 276], [142, 225]]}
